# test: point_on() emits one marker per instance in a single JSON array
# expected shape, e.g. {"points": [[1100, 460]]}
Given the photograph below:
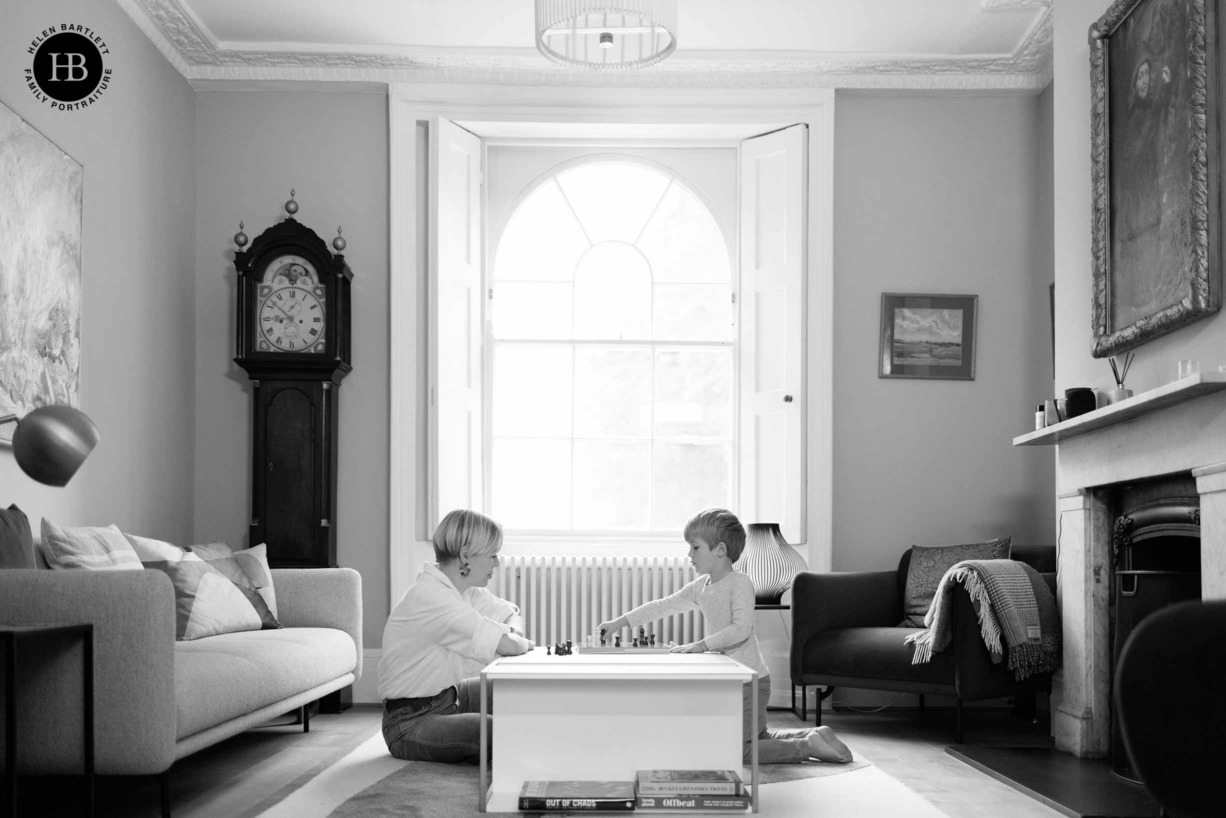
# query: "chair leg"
{"points": [[921, 702], [958, 730], [306, 717], [164, 785]]}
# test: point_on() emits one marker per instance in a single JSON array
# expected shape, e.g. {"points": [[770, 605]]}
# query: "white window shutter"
{"points": [[773, 219], [455, 320]]}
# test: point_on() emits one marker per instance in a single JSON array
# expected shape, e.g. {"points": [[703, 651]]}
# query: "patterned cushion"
{"points": [[99, 549], [16, 541], [254, 562], [151, 550], [214, 597], [929, 564]]}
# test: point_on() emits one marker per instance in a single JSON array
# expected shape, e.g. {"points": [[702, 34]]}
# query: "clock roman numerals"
{"points": [[291, 318]]}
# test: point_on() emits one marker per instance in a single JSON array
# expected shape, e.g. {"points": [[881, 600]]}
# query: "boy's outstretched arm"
{"points": [[607, 629]]}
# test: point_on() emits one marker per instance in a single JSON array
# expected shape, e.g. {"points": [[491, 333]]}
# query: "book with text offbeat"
{"points": [[689, 782], [692, 802], [544, 796]]}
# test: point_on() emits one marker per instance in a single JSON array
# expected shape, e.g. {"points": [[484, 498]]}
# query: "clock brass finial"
{"points": [[339, 242], [291, 207], [240, 238]]}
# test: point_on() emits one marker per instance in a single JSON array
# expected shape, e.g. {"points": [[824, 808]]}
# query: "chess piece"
{"points": [[547, 653], [617, 641]]}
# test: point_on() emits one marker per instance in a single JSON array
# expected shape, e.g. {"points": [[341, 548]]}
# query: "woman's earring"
{"points": [[464, 569]]}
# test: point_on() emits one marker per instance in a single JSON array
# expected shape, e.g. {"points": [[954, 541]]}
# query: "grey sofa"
{"points": [[157, 699]]}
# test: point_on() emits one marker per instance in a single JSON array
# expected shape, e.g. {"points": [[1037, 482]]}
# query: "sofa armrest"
{"points": [[831, 601], [321, 598], [133, 614]]}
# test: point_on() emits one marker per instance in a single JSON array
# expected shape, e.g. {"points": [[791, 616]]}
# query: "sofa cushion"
{"points": [[151, 550], [95, 547], [229, 675], [929, 564], [875, 653], [214, 597], [16, 540]]}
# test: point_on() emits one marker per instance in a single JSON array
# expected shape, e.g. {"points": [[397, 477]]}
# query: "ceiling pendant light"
{"points": [[606, 35]]}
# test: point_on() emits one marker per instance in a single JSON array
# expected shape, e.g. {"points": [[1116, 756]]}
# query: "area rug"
{"points": [[369, 782]]}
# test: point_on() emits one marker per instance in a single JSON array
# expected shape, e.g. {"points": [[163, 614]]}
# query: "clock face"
{"points": [[291, 318]]}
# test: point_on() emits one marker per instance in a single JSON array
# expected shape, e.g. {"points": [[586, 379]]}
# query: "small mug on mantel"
{"points": [[1078, 400]]}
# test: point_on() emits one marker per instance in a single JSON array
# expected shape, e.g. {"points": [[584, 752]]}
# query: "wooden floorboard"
{"points": [[246, 774]]}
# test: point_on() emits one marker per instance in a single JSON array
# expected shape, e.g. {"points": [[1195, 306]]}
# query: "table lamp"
{"points": [[51, 442]]}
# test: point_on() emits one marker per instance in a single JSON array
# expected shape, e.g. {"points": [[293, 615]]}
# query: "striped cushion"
{"points": [[96, 548]]}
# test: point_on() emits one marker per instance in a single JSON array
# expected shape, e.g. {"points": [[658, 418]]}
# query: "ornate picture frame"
{"points": [[928, 336], [40, 271], [1154, 170]]}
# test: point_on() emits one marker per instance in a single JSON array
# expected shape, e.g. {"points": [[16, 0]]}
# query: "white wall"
{"points": [[137, 145], [331, 148], [940, 194], [1155, 362]]}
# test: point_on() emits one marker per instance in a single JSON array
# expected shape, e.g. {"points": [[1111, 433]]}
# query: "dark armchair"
{"points": [[845, 634]]}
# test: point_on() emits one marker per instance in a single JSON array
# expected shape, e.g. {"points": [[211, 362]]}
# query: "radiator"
{"points": [[567, 597]]}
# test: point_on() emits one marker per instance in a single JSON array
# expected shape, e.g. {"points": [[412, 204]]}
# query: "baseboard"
{"points": [[366, 689]]}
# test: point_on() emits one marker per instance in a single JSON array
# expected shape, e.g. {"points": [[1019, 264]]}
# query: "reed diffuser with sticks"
{"points": [[1120, 371]]}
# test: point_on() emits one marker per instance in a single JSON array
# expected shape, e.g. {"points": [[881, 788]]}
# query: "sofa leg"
{"points": [[921, 702], [306, 717], [958, 730], [164, 786]]}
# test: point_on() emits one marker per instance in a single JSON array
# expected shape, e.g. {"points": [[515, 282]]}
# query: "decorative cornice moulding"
{"points": [[199, 57]]}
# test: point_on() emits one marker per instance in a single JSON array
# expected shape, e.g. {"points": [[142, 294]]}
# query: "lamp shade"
{"points": [[606, 35], [51, 443]]}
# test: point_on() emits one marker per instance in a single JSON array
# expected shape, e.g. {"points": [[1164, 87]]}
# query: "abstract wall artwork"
{"points": [[927, 336], [40, 271]]}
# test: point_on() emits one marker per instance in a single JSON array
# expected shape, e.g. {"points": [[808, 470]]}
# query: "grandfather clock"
{"points": [[293, 341]]}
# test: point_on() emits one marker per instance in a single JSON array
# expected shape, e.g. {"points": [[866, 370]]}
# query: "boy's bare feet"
{"points": [[824, 745]]}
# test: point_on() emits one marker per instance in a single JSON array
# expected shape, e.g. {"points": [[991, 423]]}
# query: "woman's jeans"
{"points": [[445, 727]]}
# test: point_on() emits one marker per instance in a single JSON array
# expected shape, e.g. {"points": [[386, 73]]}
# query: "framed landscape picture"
{"points": [[928, 336], [1154, 170]]}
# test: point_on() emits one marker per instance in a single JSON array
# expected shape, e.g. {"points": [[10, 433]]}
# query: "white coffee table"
{"points": [[602, 717]]}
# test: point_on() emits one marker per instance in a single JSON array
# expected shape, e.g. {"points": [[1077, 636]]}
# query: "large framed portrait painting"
{"points": [[927, 336], [1154, 170], [40, 272]]}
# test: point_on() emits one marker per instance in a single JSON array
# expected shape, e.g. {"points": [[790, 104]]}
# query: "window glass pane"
{"points": [[693, 393], [611, 486], [686, 478], [613, 294], [532, 309], [530, 483], [612, 392], [532, 391], [613, 199], [693, 312], [542, 240], [684, 242]]}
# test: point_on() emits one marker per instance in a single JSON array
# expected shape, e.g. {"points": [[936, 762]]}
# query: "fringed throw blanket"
{"points": [[1012, 600]]}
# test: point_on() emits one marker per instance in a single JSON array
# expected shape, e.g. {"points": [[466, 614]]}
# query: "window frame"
{"points": [[605, 150], [663, 114]]}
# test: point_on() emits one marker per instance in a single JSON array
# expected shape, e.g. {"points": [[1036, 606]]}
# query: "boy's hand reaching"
{"points": [[608, 629], [693, 647]]}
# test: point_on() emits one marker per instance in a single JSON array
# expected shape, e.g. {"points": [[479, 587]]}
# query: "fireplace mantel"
{"points": [[1176, 429], [1185, 389]]}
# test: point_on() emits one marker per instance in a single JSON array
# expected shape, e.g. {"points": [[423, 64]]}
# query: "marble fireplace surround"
{"points": [[1179, 428]]}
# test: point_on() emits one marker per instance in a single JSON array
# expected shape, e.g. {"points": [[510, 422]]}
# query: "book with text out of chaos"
{"points": [[692, 801], [688, 782], [543, 796]]}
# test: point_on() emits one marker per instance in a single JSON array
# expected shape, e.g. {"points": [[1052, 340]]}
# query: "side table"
{"points": [[11, 636]]}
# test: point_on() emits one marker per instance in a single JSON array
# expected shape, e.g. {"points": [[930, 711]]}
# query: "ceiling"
{"points": [[970, 45]]}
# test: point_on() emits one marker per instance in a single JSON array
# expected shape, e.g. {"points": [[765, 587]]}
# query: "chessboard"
{"points": [[612, 649]]}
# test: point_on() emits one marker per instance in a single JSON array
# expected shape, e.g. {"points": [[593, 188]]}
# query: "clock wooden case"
{"points": [[293, 342]]}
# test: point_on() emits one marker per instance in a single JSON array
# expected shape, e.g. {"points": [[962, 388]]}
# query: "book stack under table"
{"points": [[655, 790], [602, 718]]}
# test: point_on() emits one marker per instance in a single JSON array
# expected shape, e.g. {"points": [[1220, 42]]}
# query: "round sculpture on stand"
{"points": [[769, 561]]}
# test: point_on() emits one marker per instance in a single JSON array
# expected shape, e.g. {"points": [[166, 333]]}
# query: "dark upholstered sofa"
{"points": [[845, 634]]}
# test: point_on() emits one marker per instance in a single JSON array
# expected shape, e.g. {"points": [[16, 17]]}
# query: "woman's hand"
{"points": [[512, 644], [693, 647]]}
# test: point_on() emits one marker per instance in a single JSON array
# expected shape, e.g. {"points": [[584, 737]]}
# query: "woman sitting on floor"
{"points": [[446, 628]]}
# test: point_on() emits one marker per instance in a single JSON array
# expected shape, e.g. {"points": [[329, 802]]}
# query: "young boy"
{"points": [[726, 598]]}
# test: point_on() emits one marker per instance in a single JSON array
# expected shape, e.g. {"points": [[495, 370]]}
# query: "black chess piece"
{"points": [[617, 641], [547, 653]]}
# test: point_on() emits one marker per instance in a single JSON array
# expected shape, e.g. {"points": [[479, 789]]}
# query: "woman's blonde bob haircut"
{"points": [[463, 534]]}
